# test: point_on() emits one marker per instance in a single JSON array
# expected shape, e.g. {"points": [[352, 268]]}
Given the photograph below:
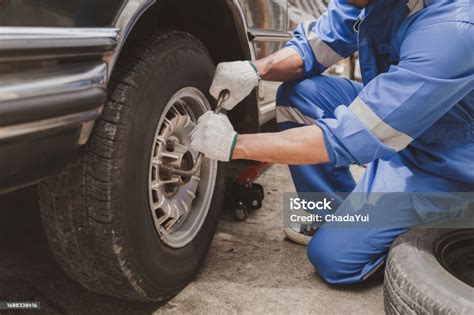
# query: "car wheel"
{"points": [[430, 271], [118, 221]]}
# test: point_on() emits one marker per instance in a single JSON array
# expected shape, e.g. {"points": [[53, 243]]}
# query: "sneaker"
{"points": [[300, 235]]}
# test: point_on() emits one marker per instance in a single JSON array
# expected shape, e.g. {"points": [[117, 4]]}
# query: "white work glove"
{"points": [[214, 136], [239, 77]]}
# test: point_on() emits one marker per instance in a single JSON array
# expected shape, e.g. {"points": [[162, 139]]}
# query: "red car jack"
{"points": [[243, 194]]}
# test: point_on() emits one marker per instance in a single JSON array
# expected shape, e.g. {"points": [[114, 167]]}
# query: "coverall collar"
{"points": [[385, 5]]}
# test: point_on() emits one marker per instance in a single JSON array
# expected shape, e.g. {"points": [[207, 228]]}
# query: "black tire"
{"points": [[96, 212], [416, 283]]}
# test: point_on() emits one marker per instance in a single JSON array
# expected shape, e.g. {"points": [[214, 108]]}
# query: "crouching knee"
{"points": [[330, 263], [283, 102], [289, 93], [292, 109], [283, 94], [323, 259]]}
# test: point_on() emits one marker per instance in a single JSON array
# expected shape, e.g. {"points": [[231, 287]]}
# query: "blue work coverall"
{"points": [[411, 120]]}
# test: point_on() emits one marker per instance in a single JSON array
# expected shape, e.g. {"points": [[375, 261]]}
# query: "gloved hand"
{"points": [[239, 77], [214, 136]]}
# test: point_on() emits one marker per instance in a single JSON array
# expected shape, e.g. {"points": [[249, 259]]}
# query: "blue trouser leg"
{"points": [[351, 254], [300, 103]]}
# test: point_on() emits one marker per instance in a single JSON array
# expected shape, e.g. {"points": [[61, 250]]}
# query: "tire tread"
{"points": [[77, 205]]}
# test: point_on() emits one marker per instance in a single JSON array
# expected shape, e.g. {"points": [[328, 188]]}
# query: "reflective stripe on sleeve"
{"points": [[325, 55], [389, 136], [285, 114]]}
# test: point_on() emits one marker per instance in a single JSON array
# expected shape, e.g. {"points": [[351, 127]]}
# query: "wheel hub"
{"points": [[174, 154], [179, 203], [171, 150]]}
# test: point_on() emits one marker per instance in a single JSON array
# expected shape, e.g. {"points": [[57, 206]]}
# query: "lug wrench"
{"points": [[223, 96]]}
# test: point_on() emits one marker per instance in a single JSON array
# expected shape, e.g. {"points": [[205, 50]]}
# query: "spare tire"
{"points": [[417, 283]]}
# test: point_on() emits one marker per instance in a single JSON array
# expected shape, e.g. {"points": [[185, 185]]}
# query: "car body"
{"points": [[56, 58], [97, 101]]}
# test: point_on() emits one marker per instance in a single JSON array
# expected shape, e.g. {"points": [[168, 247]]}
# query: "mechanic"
{"points": [[411, 120]]}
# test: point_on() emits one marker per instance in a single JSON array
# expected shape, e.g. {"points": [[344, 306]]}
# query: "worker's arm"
{"points": [[284, 65], [435, 71], [241, 77], [215, 137], [324, 42], [303, 145], [316, 46]]}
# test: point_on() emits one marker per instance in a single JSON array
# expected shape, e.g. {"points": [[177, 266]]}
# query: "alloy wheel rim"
{"points": [[179, 205]]}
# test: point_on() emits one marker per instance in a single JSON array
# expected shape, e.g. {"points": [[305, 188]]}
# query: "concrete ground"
{"points": [[250, 268]]}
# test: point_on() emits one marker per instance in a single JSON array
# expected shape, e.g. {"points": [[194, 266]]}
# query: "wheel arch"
{"points": [[207, 20], [219, 25]]}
